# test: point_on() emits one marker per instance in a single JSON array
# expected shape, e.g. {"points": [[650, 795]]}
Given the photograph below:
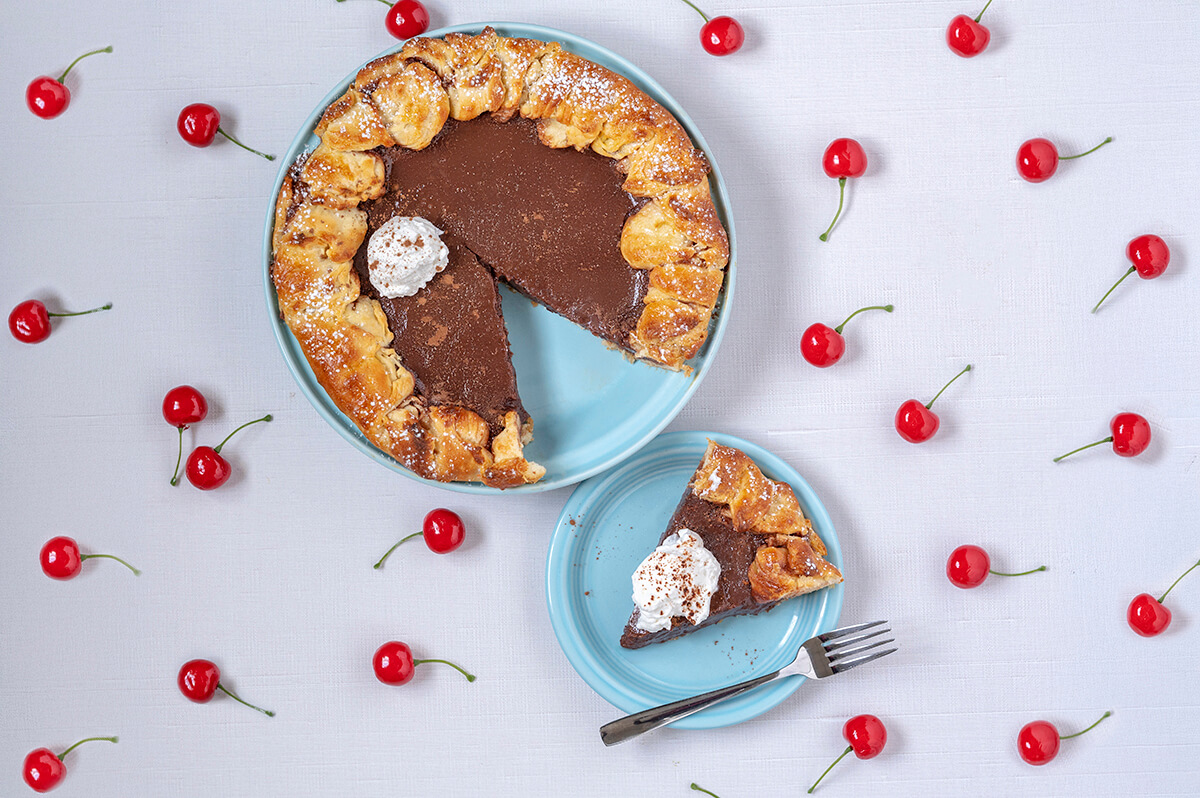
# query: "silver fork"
{"points": [[821, 656]]}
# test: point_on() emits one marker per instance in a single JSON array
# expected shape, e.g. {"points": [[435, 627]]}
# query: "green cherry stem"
{"points": [[63, 76], [217, 448], [107, 306], [1081, 448], [243, 146], [985, 8], [697, 8], [888, 308], [698, 788], [1132, 269], [1021, 573], [1177, 581], [136, 572], [229, 693], [86, 740], [178, 457], [826, 773], [386, 554], [470, 677], [1089, 152], [947, 385], [1085, 731], [841, 200]]}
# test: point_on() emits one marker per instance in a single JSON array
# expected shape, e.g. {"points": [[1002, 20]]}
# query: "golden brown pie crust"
{"points": [[403, 100]]}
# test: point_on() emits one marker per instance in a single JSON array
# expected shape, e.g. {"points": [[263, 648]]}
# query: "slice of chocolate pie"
{"points": [[738, 544]]}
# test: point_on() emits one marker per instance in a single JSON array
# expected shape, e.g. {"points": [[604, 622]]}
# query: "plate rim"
{"points": [[302, 373], [572, 641]]}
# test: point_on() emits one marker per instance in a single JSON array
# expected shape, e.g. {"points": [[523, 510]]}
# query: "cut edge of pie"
{"points": [[403, 100], [790, 559]]}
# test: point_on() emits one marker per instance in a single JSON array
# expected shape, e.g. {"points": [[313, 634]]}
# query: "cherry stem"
{"points": [[841, 199], [379, 564], [179, 457], [82, 557], [1085, 731], [227, 692], [470, 677], [698, 788], [888, 308], [1022, 573], [1132, 269], [63, 76], [267, 417], [84, 312], [86, 740], [1177, 581], [1089, 152], [985, 8], [826, 773], [697, 8], [1081, 448], [243, 146], [947, 385]]}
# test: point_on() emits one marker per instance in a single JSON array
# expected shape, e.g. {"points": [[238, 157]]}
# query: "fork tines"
{"points": [[852, 649]]}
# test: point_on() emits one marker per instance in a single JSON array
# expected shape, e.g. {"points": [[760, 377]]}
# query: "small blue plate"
{"points": [[591, 407], [608, 526]]}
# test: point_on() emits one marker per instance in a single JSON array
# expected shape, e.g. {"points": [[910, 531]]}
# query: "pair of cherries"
{"points": [[206, 468]]}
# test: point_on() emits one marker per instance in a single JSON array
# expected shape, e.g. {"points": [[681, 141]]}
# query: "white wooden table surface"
{"points": [[268, 575]]}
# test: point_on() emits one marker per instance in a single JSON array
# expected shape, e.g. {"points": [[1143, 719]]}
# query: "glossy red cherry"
{"points": [[199, 124], [394, 663], [442, 529], [48, 97], [822, 345], [966, 37], [61, 559], [916, 422], [407, 18], [1038, 742], [1150, 256], [969, 566], [843, 159], [1130, 436], [719, 35], [1037, 159], [182, 407], [29, 321], [200, 679], [206, 468], [43, 769], [1148, 616], [867, 737]]}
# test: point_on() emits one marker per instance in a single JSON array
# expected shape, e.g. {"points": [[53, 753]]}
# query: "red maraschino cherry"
{"points": [[969, 566], [866, 735], [1150, 256], [823, 345], [1037, 742], [199, 124], [916, 422], [29, 321], [1130, 436], [966, 37], [394, 663], [719, 35], [44, 769], [206, 468], [48, 97], [843, 159], [405, 19], [183, 406], [61, 559], [1037, 159], [442, 529], [1147, 615], [200, 679]]}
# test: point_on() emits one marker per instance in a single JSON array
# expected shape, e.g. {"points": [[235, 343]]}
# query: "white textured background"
{"points": [[270, 575]]}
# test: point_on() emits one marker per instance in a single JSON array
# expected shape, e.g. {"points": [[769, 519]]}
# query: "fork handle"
{"points": [[649, 719]]}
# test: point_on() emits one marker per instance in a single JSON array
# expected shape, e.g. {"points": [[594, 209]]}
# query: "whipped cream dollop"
{"points": [[404, 254], [678, 579]]}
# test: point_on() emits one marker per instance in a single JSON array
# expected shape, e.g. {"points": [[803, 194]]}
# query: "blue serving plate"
{"points": [[608, 526], [591, 406]]}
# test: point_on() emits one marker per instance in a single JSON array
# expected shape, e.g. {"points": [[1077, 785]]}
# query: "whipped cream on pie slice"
{"points": [[678, 579], [404, 254]]}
